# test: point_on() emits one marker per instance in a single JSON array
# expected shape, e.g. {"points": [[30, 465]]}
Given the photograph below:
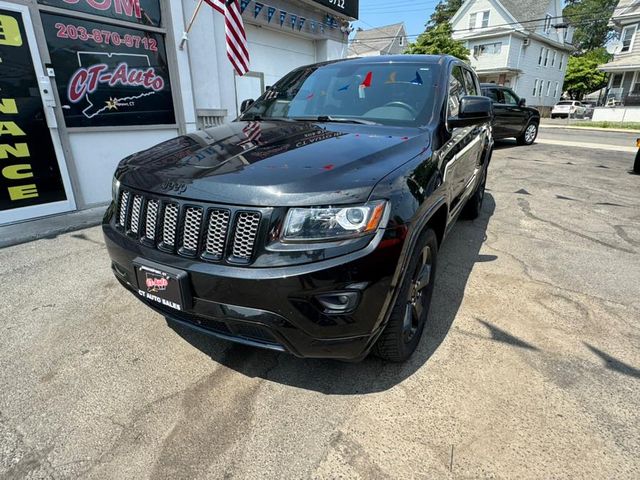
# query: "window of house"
{"points": [[553, 59], [485, 19], [487, 49], [616, 80], [540, 87], [555, 91], [628, 37], [535, 87], [546, 57], [541, 54], [402, 41], [561, 61], [547, 24], [472, 20], [635, 84], [548, 88]]}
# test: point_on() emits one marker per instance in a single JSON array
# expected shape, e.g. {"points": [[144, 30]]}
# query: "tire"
{"points": [[636, 164], [402, 333], [529, 134], [472, 209], [553, 117]]}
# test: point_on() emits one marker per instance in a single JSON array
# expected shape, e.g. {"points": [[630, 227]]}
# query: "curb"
{"points": [[596, 129], [50, 227]]}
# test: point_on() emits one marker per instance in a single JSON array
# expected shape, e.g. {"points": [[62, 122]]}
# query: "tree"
{"points": [[590, 18], [444, 12], [437, 40], [582, 76]]}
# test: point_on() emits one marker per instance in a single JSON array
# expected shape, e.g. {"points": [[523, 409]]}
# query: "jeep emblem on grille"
{"points": [[177, 187]]}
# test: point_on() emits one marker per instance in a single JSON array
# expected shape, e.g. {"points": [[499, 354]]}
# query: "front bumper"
{"points": [[277, 308]]}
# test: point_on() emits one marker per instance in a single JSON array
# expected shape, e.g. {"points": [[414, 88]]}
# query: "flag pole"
{"points": [[185, 35]]}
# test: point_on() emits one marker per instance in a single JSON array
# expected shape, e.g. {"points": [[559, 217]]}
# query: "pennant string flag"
{"points": [[270, 13], [294, 19], [283, 15], [301, 23], [243, 5], [257, 9], [236, 37]]}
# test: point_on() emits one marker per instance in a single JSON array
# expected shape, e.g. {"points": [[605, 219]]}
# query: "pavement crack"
{"points": [[526, 209]]}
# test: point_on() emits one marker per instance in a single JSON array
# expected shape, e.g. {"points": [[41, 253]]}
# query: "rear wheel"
{"points": [[402, 334], [529, 135]]}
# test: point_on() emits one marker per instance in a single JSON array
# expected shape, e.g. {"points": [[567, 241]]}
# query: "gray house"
{"points": [[387, 40]]}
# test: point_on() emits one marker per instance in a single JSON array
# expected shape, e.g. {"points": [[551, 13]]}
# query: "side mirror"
{"points": [[522, 102], [473, 111], [246, 105]]}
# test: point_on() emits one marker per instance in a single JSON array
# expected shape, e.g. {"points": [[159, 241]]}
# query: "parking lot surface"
{"points": [[530, 367]]}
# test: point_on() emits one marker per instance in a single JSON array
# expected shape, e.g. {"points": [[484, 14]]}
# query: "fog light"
{"points": [[339, 302]]}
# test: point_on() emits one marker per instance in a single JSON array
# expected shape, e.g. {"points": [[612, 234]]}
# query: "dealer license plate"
{"points": [[163, 285]]}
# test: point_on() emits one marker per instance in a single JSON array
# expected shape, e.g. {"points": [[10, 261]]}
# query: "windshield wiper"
{"points": [[329, 118]]}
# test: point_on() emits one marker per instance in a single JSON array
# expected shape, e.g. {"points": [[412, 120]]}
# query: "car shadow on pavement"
{"points": [[459, 254]]}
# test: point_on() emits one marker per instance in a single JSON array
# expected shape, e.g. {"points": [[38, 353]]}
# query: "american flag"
{"points": [[236, 36], [253, 132]]}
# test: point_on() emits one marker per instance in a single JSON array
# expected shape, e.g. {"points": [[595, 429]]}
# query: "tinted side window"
{"points": [[509, 97], [492, 93], [470, 83], [456, 90]]}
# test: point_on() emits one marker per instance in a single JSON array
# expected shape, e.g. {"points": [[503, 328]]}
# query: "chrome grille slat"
{"points": [[217, 233], [136, 210], [170, 224], [191, 231], [123, 207], [152, 219], [210, 232], [245, 235]]}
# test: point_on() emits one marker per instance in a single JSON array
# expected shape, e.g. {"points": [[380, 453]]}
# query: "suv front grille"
{"points": [[190, 230]]}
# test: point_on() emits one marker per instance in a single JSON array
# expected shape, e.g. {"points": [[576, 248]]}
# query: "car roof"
{"points": [[431, 59]]}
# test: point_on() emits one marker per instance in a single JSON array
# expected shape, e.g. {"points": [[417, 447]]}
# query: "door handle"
{"points": [[48, 100]]}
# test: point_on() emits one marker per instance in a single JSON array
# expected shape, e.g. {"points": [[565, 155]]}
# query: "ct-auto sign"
{"points": [[348, 8]]}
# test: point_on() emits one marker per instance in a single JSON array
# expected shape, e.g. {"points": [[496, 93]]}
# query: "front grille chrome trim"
{"points": [[212, 233]]}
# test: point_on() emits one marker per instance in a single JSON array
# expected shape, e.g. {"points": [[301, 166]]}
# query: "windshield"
{"points": [[388, 94], [565, 103]]}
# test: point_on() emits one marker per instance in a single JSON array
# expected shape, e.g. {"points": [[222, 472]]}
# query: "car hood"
{"points": [[274, 163]]}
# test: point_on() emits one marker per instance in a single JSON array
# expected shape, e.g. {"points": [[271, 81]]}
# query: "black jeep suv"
{"points": [[511, 116], [312, 223]]}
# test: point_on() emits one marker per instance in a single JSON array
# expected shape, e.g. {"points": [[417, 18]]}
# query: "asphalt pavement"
{"points": [[530, 367]]}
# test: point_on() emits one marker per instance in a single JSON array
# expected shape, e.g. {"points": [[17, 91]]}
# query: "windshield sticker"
{"points": [[418, 79]]}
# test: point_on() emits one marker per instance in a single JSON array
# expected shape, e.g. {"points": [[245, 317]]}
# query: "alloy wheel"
{"points": [[530, 133], [415, 311]]}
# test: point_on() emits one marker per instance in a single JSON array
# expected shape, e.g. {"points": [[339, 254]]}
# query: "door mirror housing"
{"points": [[246, 105], [522, 102], [473, 111]]}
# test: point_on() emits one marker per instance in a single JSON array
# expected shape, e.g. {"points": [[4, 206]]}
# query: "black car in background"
{"points": [[311, 224], [512, 118]]}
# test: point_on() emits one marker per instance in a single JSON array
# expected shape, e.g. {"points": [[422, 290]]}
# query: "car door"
{"points": [[515, 116], [461, 151], [500, 124]]}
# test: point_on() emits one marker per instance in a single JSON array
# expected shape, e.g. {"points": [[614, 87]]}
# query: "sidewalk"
{"points": [[568, 125], [50, 227]]}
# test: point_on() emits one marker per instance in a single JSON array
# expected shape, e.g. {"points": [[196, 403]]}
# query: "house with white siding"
{"points": [[522, 44], [387, 40], [623, 94]]}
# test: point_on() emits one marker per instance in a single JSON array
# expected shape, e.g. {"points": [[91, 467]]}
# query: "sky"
{"points": [[414, 13]]}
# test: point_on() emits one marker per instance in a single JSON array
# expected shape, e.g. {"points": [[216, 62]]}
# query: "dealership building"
{"points": [[84, 83]]}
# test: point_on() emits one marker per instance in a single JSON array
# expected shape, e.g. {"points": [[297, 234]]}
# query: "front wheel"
{"points": [[529, 135], [402, 334]]}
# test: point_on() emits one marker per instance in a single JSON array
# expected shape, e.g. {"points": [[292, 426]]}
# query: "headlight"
{"points": [[115, 186], [332, 223]]}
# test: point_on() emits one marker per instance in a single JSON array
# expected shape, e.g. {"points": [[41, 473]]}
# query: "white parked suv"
{"points": [[568, 109]]}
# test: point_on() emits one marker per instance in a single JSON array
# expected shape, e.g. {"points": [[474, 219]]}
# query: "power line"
{"points": [[580, 22]]}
